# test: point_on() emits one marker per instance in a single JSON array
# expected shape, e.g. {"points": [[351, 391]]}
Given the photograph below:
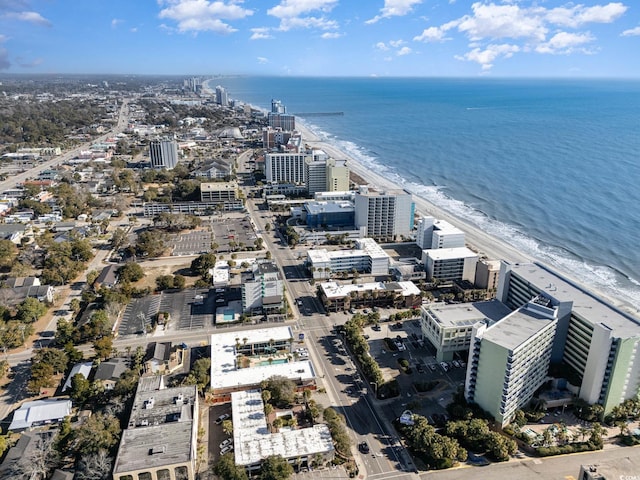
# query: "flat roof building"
{"points": [[40, 412], [230, 373], [368, 257], [160, 439], [597, 340], [447, 264], [509, 360], [253, 441], [387, 215], [449, 327]]}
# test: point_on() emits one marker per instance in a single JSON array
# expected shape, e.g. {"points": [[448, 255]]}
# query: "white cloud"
{"points": [[498, 29], [31, 17], [133, 29], [331, 35], [115, 22], [431, 34], [632, 32], [579, 15], [565, 43], [295, 8], [487, 56], [394, 8], [320, 23], [403, 51], [261, 33], [396, 43], [294, 14], [203, 15], [263, 60], [502, 21], [382, 46]]}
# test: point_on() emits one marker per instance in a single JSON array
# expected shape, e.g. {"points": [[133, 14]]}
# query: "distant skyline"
{"points": [[430, 38]]}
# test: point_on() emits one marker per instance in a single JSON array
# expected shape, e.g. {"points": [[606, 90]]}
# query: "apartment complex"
{"points": [[509, 360], [598, 341], [163, 153], [432, 233], [253, 441], [386, 215], [160, 439], [368, 257], [262, 288], [230, 373], [448, 264]]}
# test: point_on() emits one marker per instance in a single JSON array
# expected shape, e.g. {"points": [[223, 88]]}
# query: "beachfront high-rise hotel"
{"points": [[386, 215], [598, 341]]}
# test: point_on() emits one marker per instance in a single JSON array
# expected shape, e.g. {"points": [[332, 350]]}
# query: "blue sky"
{"points": [[501, 38]]}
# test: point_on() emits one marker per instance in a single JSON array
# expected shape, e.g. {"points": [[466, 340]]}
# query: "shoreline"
{"points": [[477, 240]]}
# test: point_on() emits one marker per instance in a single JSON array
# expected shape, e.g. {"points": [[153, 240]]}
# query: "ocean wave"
{"points": [[605, 279]]}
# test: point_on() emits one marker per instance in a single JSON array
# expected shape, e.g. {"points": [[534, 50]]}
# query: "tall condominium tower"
{"points": [[222, 98], [163, 153], [386, 215]]}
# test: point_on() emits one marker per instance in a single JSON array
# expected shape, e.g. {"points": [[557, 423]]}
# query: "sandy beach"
{"points": [[477, 240]]}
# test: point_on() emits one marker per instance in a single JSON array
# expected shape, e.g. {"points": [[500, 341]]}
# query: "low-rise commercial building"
{"points": [[336, 296], [218, 192], [253, 441], [160, 439]]}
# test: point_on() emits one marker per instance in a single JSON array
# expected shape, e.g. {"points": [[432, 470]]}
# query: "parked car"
{"points": [[222, 418], [364, 447], [456, 364], [226, 449], [226, 442], [444, 366]]}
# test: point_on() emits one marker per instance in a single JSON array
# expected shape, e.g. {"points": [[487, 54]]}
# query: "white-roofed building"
{"points": [[40, 412], [83, 369], [242, 360], [368, 257], [253, 442], [336, 296], [447, 264]]}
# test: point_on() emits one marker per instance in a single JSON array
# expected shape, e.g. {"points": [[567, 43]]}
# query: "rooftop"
{"points": [[314, 208], [520, 325], [160, 429], [224, 369], [461, 314], [253, 442], [40, 412], [337, 290], [450, 253], [585, 304]]}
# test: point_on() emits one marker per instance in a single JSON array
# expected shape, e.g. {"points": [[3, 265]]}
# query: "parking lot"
{"points": [[424, 370]]}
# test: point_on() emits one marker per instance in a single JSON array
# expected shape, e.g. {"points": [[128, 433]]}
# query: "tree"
{"points": [[57, 359], [164, 282], [103, 347], [8, 253], [80, 389], [30, 310], [98, 432], [227, 469], [227, 427], [202, 264], [95, 466], [130, 272], [41, 377], [200, 373], [275, 468], [179, 281], [118, 237], [150, 243], [282, 390]]}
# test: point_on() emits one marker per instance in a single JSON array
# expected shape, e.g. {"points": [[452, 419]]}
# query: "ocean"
{"points": [[549, 166]]}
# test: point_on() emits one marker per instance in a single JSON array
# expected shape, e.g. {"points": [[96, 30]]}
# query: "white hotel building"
{"points": [[368, 257], [448, 264]]}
